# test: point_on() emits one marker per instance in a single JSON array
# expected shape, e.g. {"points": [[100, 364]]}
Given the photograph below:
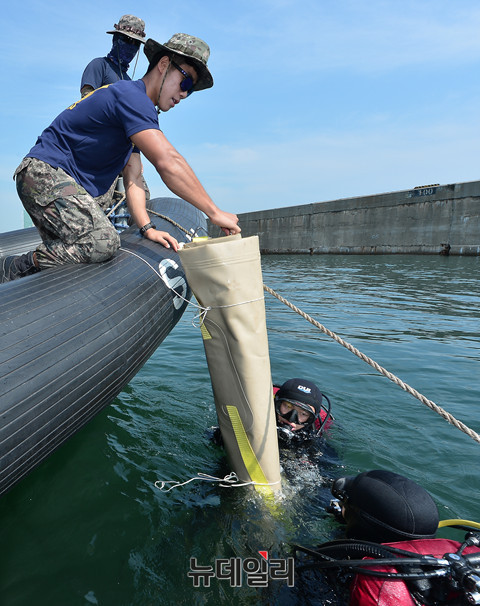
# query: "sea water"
{"points": [[90, 525]]}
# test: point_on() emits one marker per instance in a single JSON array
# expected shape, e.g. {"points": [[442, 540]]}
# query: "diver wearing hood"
{"points": [[392, 521], [301, 411], [128, 36], [383, 506]]}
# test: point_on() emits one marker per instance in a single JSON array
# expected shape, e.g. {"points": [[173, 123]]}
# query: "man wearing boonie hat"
{"points": [[128, 36], [64, 179]]}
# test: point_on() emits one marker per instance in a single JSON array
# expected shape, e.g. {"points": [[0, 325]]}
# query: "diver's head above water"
{"points": [[298, 404], [383, 506]]}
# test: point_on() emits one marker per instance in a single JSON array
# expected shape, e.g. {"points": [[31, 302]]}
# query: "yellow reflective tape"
{"points": [[205, 334], [74, 105], [249, 458]]}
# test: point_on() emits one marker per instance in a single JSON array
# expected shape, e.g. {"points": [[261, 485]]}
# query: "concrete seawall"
{"points": [[427, 220]]}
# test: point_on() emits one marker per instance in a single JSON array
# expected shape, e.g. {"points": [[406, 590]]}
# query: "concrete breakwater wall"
{"points": [[437, 219]]}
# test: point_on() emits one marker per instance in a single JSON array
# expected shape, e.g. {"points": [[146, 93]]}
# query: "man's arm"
{"points": [[93, 76], [86, 89], [180, 178], [135, 193]]}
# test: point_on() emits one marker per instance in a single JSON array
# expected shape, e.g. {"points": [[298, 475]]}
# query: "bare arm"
{"points": [[135, 193], [180, 178], [86, 89]]}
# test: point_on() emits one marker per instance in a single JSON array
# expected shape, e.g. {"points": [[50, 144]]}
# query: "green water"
{"points": [[90, 527]]}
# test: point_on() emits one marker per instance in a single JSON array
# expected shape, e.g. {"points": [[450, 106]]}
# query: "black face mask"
{"points": [[122, 52]]}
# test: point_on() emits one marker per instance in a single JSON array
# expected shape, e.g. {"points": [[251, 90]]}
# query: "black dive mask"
{"points": [[292, 414]]}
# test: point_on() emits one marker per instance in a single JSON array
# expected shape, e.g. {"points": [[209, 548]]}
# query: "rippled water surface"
{"points": [[90, 527]]}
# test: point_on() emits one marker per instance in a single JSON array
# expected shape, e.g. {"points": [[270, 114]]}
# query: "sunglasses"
{"points": [[187, 83], [129, 40]]}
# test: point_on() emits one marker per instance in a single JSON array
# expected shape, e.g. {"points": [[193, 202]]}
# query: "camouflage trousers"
{"points": [[72, 224]]}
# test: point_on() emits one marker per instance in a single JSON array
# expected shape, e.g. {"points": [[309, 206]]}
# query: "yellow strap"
{"points": [[444, 523], [249, 458], [205, 334]]}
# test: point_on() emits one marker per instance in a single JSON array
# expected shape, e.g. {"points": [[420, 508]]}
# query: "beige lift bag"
{"points": [[226, 278]]}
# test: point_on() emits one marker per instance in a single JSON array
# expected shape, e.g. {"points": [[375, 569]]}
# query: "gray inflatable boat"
{"points": [[71, 338]]}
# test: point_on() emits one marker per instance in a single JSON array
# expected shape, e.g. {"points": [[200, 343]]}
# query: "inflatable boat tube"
{"points": [[19, 242], [225, 276], [72, 337]]}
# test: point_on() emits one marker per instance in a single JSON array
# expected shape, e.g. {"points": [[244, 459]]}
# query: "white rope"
{"points": [[251, 483], [202, 316], [231, 481], [202, 310], [262, 298], [141, 259], [160, 484]]}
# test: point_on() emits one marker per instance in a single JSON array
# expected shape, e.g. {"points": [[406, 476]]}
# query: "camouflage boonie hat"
{"points": [[130, 26], [194, 49]]}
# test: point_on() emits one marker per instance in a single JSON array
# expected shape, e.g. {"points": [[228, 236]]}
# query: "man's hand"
{"points": [[162, 237], [227, 221]]}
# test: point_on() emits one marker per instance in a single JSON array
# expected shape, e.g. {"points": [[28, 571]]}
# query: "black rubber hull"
{"points": [[72, 338], [19, 241]]}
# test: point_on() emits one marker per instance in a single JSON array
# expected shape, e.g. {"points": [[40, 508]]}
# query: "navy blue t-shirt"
{"points": [[101, 71], [90, 140]]}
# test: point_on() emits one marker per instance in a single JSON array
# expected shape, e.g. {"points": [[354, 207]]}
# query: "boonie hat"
{"points": [[130, 26], [300, 391], [194, 49], [383, 506]]}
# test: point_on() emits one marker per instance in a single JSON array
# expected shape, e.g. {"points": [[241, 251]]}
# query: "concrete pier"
{"points": [[435, 219]]}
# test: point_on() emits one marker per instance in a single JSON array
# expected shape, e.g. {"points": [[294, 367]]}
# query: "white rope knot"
{"points": [[201, 316], [230, 479]]}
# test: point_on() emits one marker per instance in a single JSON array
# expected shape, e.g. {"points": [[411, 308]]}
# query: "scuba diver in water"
{"points": [[383, 506], [303, 412], [392, 557]]}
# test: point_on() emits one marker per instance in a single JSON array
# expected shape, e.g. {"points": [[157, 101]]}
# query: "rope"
{"points": [[117, 204], [202, 314], [229, 481], [443, 413], [153, 212]]}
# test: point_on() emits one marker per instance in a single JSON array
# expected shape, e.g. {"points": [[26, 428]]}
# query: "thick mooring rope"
{"points": [[443, 413], [153, 212], [120, 201]]}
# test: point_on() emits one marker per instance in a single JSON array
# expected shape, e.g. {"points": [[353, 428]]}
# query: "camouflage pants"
{"points": [[72, 224]]}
